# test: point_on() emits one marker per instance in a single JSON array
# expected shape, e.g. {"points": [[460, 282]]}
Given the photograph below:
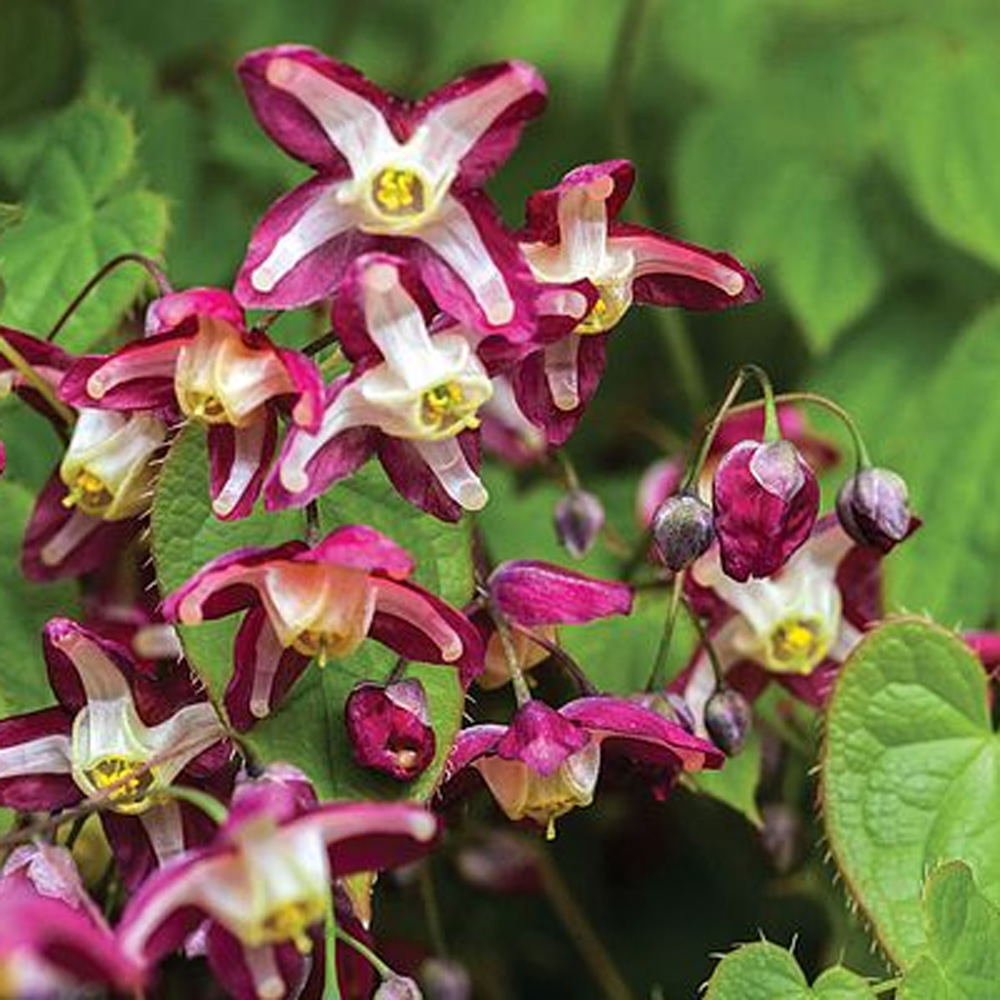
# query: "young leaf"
{"points": [[308, 730], [765, 971], [80, 209], [962, 961], [910, 774]]}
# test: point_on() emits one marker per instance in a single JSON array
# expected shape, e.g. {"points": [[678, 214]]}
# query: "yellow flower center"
{"points": [[205, 407], [446, 411], [129, 781], [89, 493], [797, 645], [613, 300], [398, 193], [324, 646], [291, 922]]}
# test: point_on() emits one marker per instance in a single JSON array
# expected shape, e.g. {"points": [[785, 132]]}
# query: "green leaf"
{"points": [[941, 138], [962, 961], [950, 568], [307, 730], [910, 774], [735, 784], [80, 209], [24, 610], [764, 971]]}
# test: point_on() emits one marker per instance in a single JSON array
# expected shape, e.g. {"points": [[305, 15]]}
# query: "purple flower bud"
{"points": [[682, 530], [782, 836], [445, 979], [389, 727], [579, 517], [398, 988], [873, 508], [501, 862], [766, 499], [727, 719]]}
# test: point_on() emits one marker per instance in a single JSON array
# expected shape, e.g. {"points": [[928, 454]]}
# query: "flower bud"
{"points": [[398, 988], [782, 836], [727, 719], [579, 517], [682, 530], [500, 861], [766, 499], [389, 728], [873, 508], [445, 979]]}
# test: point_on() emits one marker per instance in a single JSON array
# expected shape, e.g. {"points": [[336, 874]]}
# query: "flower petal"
{"points": [[35, 761], [238, 459]]}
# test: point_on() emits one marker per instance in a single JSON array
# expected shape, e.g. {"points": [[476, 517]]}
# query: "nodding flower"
{"points": [[320, 603]]}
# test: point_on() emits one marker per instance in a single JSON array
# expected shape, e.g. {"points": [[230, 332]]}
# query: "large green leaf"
{"points": [[24, 610], [307, 729], [764, 971], [962, 961], [910, 775], [80, 209]]}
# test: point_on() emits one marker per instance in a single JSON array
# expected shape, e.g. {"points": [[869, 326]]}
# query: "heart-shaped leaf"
{"points": [[963, 929], [764, 971], [307, 730], [910, 775]]}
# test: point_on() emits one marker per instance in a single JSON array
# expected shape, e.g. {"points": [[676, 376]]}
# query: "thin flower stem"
{"points": [[312, 523], [20, 363], [431, 910], [571, 481], [862, 457], [209, 805], [317, 345], [656, 675], [385, 971], [713, 656], [520, 685], [331, 984], [583, 682], [151, 267], [589, 945]]}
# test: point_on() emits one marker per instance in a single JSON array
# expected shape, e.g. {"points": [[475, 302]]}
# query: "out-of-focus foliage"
{"points": [[843, 149]]}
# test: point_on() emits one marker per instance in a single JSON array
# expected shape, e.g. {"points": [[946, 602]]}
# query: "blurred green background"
{"points": [[846, 150]]}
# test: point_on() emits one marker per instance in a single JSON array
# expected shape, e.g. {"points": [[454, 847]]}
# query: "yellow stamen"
{"points": [[398, 192], [796, 645], [129, 781], [89, 493], [291, 922], [613, 301], [205, 407], [445, 409]]}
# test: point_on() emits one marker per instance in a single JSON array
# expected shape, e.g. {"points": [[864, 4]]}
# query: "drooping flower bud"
{"points": [[682, 530], [873, 508], [766, 499], [445, 979], [579, 517], [727, 719], [390, 729], [398, 988]]}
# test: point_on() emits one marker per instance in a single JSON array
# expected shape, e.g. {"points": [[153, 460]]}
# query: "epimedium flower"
{"points": [[199, 360], [532, 598], [54, 940], [389, 726], [796, 627], [765, 500], [319, 603], [413, 396], [91, 506], [119, 740], [572, 234], [263, 885], [548, 761], [390, 173]]}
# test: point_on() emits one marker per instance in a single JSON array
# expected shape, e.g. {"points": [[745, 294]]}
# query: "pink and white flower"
{"points": [[390, 173], [320, 602], [573, 235], [199, 359], [413, 397], [264, 884], [117, 739], [547, 762]]}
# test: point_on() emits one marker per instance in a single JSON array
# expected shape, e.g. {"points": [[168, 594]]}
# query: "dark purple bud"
{"points": [[445, 979], [389, 728], [579, 517], [782, 836], [727, 719], [683, 529], [766, 499], [501, 862], [398, 988], [873, 508]]}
